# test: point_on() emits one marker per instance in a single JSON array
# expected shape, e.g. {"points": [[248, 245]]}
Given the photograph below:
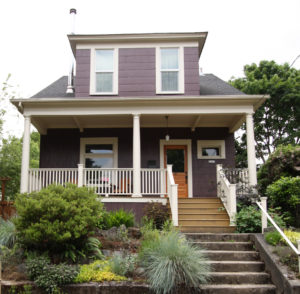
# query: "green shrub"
{"points": [[293, 236], [157, 212], [11, 256], [123, 265], [285, 193], [49, 276], [116, 219], [273, 238], [171, 263], [97, 271], [248, 219], [281, 163], [56, 218], [8, 233]]}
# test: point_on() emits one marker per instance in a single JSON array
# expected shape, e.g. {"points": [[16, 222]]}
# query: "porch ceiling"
{"points": [[231, 121]]}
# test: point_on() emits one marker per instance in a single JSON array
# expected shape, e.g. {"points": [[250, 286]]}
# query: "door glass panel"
{"points": [[176, 158], [99, 148], [105, 162], [210, 151]]}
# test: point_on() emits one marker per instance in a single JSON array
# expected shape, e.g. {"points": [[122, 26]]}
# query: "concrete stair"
{"points": [[203, 215], [237, 268]]}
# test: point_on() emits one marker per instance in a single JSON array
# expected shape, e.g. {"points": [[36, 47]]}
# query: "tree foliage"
{"points": [[283, 162], [11, 157], [278, 120]]}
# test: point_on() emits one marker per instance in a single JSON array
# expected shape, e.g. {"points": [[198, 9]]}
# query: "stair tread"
{"points": [[205, 219], [193, 226], [234, 262], [220, 242], [241, 286], [235, 251], [239, 273]]}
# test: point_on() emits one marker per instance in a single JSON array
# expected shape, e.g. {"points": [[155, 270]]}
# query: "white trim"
{"points": [[211, 144], [134, 200], [180, 69], [115, 71], [188, 143], [136, 45], [100, 140]]}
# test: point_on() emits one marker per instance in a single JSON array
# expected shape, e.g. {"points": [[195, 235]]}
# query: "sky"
{"points": [[34, 48]]}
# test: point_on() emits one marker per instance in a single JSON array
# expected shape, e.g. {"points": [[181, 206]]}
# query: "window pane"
{"points": [[169, 81], [176, 158], [210, 151], [104, 82], [99, 148], [104, 60], [169, 58], [99, 162]]}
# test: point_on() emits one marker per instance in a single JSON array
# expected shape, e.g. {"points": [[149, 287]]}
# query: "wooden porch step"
{"points": [[193, 210], [204, 222], [201, 205], [199, 200], [202, 215]]}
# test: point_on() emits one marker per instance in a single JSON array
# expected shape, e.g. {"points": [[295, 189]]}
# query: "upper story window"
{"points": [[169, 70], [104, 72]]}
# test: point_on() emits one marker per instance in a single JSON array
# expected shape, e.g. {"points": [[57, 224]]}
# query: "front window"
{"points": [[104, 72], [99, 152], [169, 70], [211, 149]]}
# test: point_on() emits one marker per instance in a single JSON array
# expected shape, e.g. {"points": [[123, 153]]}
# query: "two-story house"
{"points": [[141, 125]]}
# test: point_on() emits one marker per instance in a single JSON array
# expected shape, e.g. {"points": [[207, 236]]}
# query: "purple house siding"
{"points": [[61, 148], [191, 71], [137, 72]]}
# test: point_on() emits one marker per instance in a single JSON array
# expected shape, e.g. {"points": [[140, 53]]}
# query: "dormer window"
{"points": [[104, 72], [169, 70]]}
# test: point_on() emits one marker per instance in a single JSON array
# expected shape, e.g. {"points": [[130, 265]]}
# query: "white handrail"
{"points": [[279, 230], [173, 195]]}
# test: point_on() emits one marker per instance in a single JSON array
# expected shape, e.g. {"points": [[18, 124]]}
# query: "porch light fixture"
{"points": [[167, 135]]}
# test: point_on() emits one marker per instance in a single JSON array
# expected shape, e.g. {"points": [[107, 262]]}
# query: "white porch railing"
{"points": [[227, 193], [173, 195], [264, 221], [153, 181], [42, 177], [105, 181]]}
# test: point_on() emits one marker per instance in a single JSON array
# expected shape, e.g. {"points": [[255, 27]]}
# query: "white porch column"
{"points": [[25, 155], [251, 150], [136, 156]]}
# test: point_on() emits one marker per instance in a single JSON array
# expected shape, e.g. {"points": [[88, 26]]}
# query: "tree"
{"points": [[11, 157], [278, 120]]}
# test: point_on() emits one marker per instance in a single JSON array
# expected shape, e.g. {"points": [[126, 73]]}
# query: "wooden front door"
{"points": [[177, 156]]}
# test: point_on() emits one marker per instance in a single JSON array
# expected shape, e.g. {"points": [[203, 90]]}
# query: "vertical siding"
{"points": [[136, 72], [191, 71], [61, 148]]}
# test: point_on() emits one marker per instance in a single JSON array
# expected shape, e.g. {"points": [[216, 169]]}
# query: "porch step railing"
{"points": [[172, 195], [227, 193], [105, 181]]}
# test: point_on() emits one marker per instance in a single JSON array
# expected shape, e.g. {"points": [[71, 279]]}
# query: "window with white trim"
{"points": [[104, 72], [99, 152], [211, 149], [169, 70]]}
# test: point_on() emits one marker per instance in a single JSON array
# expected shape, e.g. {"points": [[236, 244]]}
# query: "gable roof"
{"points": [[209, 85], [212, 85]]}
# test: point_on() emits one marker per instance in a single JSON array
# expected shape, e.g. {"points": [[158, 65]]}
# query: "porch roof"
{"points": [[183, 111]]}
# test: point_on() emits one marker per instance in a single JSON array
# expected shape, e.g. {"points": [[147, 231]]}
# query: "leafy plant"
{"points": [[157, 212], [92, 248], [97, 271], [8, 234], [116, 219], [273, 238], [285, 193], [293, 236], [9, 256], [171, 263], [57, 218], [49, 276], [248, 219], [122, 264]]}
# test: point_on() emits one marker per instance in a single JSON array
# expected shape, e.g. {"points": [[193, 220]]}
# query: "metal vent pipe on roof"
{"points": [[70, 88]]}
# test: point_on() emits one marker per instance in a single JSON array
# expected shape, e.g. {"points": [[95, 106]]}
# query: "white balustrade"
{"points": [[240, 177], [153, 181], [42, 177], [173, 195], [227, 193]]}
